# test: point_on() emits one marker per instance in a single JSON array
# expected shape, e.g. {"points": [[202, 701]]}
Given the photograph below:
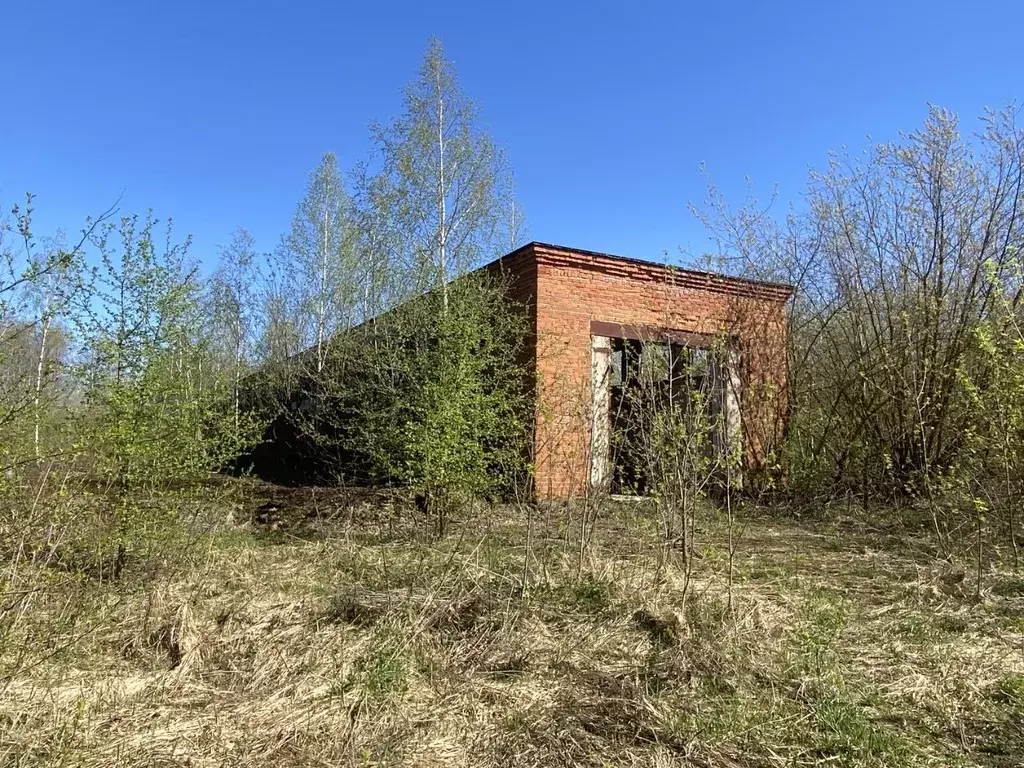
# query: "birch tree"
{"points": [[151, 417], [445, 393], [443, 176], [14, 329], [50, 293], [235, 301], [428, 395], [318, 254], [277, 323], [380, 245], [38, 279]]}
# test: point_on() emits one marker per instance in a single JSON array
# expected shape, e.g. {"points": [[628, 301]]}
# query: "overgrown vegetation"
{"points": [[859, 607], [905, 344], [353, 636], [428, 397]]}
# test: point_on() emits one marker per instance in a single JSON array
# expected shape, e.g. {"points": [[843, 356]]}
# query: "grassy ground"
{"points": [[349, 636]]}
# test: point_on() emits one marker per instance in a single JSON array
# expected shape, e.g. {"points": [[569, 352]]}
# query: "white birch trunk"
{"points": [[441, 192], [40, 368]]}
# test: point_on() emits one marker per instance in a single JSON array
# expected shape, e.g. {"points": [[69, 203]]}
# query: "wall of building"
{"points": [[572, 289]]}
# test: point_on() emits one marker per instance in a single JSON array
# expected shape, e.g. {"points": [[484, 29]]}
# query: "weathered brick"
{"points": [[567, 289]]}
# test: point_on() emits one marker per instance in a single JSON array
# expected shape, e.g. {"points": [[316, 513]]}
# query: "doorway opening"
{"points": [[648, 393]]}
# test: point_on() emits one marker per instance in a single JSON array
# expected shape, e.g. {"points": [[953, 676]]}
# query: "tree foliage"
{"points": [[443, 180], [899, 258], [414, 380], [152, 416]]}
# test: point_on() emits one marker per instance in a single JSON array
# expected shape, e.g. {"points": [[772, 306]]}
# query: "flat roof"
{"points": [[776, 288]]}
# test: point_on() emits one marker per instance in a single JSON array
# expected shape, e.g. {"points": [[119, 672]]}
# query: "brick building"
{"points": [[587, 308], [592, 320]]}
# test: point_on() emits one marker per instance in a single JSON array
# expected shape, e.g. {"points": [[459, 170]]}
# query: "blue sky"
{"points": [[213, 113]]}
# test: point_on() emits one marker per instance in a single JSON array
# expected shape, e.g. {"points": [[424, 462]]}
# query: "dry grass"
{"points": [[349, 637]]}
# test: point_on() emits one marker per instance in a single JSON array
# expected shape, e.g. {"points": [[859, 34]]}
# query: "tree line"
{"points": [[906, 359], [393, 360], [123, 361]]}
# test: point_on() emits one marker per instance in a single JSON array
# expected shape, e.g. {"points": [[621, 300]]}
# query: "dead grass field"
{"points": [[349, 636]]}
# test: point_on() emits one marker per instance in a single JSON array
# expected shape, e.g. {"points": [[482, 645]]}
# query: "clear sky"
{"points": [[213, 113]]}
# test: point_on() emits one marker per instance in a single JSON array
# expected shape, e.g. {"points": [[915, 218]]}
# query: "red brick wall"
{"points": [[572, 288]]}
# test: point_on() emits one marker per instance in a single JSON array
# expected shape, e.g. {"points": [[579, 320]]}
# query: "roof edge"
{"points": [[780, 290]]}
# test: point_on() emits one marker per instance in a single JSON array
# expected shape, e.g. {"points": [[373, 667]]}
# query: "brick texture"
{"points": [[567, 289]]}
